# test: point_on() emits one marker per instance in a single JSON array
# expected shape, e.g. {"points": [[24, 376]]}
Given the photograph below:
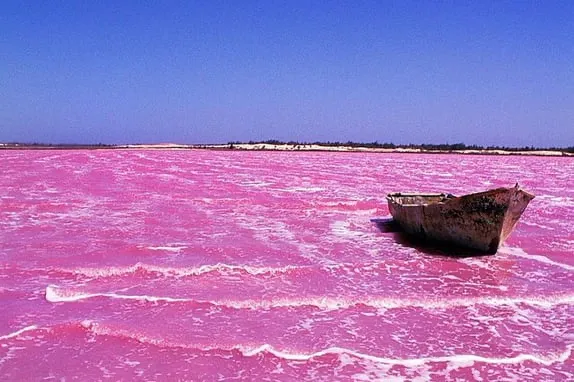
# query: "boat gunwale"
{"points": [[392, 197]]}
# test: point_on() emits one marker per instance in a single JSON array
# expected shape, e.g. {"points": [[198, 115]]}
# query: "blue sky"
{"points": [[217, 71]]}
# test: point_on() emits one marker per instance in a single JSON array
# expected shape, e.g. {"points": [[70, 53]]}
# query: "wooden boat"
{"points": [[480, 221]]}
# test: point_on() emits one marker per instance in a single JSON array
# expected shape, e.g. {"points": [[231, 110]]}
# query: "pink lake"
{"points": [[265, 266]]}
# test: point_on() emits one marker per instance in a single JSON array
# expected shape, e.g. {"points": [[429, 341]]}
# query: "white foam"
{"points": [[342, 230], [533, 224], [272, 231], [519, 252], [302, 189], [57, 294], [179, 272], [168, 249], [18, 332], [460, 360], [256, 183], [347, 203], [465, 359], [476, 375], [560, 201]]}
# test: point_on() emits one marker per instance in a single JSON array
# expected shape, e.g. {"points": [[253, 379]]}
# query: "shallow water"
{"points": [[205, 265]]}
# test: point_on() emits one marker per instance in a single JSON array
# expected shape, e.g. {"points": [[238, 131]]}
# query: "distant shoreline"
{"points": [[263, 146]]}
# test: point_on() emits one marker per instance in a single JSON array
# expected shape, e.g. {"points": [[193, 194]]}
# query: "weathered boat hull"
{"points": [[480, 221]]}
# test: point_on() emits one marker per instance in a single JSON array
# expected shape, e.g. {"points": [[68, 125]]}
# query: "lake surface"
{"points": [[226, 265]]}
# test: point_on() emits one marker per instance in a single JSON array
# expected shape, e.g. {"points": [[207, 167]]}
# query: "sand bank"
{"points": [[280, 147]]}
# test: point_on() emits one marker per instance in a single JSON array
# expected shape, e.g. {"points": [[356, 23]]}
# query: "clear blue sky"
{"points": [[484, 72]]}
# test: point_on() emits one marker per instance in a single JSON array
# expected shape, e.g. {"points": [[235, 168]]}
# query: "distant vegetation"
{"points": [[424, 146], [448, 147]]}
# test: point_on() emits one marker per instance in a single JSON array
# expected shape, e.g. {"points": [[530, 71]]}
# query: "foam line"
{"points": [[56, 294], [180, 272], [519, 252], [410, 362], [18, 332], [249, 351], [169, 249], [397, 303]]}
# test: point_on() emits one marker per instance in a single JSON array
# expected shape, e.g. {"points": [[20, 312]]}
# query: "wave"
{"points": [[255, 350], [558, 201], [18, 332], [519, 252], [179, 272], [410, 362], [251, 351], [226, 269], [168, 249], [56, 294], [534, 224]]}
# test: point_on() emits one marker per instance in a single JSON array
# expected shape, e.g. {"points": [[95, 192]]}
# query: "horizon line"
{"points": [[374, 144]]}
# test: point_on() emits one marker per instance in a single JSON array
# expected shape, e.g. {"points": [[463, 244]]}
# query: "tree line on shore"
{"points": [[297, 144], [423, 146]]}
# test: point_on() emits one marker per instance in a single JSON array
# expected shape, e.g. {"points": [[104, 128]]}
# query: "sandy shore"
{"points": [[284, 147], [314, 147], [263, 146]]}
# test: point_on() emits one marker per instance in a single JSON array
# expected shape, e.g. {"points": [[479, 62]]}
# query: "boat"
{"points": [[480, 221]]}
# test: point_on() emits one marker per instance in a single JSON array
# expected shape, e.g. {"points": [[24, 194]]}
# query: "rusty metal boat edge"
{"points": [[480, 221]]}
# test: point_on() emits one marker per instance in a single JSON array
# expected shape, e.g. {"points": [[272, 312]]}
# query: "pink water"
{"points": [[203, 265]]}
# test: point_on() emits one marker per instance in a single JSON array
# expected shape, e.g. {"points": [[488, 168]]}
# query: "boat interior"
{"points": [[407, 199]]}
